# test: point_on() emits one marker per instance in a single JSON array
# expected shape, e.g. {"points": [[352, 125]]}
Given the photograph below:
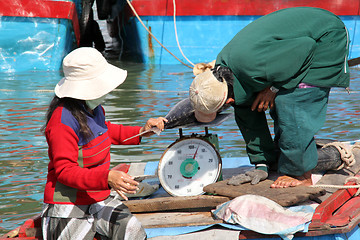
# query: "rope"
{"points": [[356, 180], [177, 40], [137, 16], [346, 153]]}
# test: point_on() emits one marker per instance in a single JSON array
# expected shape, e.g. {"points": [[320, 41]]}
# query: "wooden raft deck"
{"points": [[169, 211], [338, 212]]}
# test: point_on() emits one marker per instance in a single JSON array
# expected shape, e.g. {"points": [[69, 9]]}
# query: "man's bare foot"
{"points": [[287, 181]]}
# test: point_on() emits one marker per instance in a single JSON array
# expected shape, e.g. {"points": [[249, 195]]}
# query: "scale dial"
{"points": [[188, 165]]}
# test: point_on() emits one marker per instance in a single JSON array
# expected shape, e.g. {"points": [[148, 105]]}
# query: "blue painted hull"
{"points": [[34, 43], [352, 235], [201, 37], [36, 35]]}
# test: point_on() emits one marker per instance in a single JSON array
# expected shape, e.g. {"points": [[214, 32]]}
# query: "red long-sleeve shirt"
{"points": [[78, 168]]}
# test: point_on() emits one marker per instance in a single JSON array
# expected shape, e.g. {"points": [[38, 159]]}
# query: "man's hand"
{"points": [[264, 100], [122, 183], [254, 176]]}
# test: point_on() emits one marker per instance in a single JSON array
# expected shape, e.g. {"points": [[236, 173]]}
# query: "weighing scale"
{"points": [[190, 163]]}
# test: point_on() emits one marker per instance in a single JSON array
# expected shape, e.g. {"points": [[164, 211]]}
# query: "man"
{"points": [[286, 61]]}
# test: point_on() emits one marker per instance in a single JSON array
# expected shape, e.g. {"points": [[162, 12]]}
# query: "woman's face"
{"points": [[92, 104]]}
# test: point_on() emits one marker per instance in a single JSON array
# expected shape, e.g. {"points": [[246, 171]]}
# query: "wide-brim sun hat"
{"points": [[87, 75], [207, 95]]}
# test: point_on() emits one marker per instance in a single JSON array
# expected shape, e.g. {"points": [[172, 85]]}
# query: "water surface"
{"points": [[148, 92]]}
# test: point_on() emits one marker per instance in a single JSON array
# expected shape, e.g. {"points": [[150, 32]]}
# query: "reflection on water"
{"points": [[147, 92]]}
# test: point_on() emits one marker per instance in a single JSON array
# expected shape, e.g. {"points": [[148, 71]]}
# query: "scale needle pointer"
{"points": [[196, 152]]}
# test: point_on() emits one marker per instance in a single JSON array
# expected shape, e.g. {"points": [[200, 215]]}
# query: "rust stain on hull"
{"points": [[150, 45]]}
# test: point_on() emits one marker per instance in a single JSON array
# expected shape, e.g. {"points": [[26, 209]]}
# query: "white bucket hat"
{"points": [[88, 75], [207, 96]]}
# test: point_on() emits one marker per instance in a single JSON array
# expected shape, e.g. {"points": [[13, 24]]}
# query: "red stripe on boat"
{"points": [[42, 9], [236, 7], [32, 223]]}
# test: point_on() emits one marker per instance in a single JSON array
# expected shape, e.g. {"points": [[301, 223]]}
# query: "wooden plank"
{"points": [[175, 219], [349, 211], [283, 196], [288, 196], [333, 207], [31, 228], [175, 203]]}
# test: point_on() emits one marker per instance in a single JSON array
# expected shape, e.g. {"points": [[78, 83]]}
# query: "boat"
{"points": [[191, 32], [36, 35], [190, 217]]}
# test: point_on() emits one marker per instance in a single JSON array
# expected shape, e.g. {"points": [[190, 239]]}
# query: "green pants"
{"points": [[298, 115]]}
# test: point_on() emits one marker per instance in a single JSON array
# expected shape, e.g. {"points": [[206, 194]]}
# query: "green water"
{"points": [[147, 92]]}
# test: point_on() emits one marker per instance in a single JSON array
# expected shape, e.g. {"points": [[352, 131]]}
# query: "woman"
{"points": [[77, 200]]}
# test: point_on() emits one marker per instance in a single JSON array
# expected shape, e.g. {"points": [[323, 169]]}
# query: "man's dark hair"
{"points": [[221, 73]]}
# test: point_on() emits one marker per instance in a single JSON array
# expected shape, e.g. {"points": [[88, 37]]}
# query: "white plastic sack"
{"points": [[265, 216]]}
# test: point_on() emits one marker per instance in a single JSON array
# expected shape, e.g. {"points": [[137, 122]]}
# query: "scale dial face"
{"points": [[188, 165]]}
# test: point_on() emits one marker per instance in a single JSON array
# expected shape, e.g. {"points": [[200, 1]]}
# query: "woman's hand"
{"points": [[122, 183], [264, 99], [159, 123]]}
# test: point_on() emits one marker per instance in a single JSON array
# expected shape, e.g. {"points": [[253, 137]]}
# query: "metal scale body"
{"points": [[190, 163], [193, 161]]}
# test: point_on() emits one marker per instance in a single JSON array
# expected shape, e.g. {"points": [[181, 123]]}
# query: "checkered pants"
{"points": [[110, 218]]}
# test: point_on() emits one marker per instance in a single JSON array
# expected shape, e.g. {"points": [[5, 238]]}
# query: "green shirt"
{"points": [[285, 48]]}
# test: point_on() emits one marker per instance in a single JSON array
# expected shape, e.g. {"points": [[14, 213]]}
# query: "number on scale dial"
{"points": [[188, 165]]}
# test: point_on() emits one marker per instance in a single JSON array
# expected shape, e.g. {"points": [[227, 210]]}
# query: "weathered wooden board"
{"points": [[175, 203], [283, 196], [175, 219]]}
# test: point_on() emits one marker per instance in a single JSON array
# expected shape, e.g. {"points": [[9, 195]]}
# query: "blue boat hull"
{"points": [[36, 35], [201, 38], [34, 43]]}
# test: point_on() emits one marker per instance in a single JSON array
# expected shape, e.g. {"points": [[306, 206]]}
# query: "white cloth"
{"points": [[265, 216]]}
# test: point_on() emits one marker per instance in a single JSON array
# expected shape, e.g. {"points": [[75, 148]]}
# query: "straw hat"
{"points": [[207, 96], [88, 75]]}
